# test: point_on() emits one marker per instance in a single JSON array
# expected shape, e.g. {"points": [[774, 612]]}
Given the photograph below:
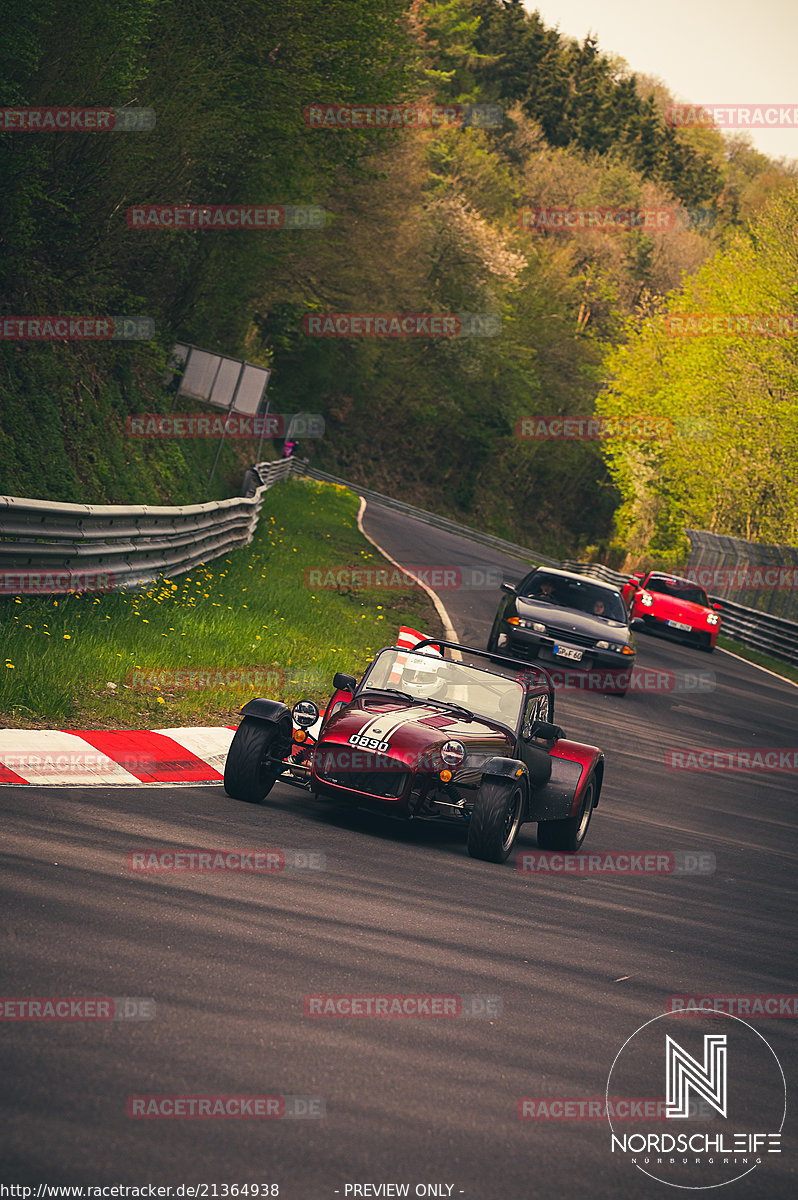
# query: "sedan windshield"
{"points": [[579, 595], [427, 677], [678, 588]]}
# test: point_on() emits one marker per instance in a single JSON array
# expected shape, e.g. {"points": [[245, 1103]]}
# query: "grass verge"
{"points": [[192, 650], [777, 665]]}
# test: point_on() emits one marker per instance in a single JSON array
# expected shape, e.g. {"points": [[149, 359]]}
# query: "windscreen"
{"points": [[579, 595], [427, 677], [679, 589]]}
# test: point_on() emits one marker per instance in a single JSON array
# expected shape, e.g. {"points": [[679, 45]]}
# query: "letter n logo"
{"points": [[683, 1072]]}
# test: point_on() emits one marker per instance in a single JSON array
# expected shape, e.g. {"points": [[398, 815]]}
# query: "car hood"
{"points": [[412, 729], [674, 609], [569, 620]]}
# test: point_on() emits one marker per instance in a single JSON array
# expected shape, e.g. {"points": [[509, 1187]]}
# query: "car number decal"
{"points": [[368, 743]]}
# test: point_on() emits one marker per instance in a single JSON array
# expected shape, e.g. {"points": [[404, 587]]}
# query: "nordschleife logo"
{"points": [[725, 1100]]}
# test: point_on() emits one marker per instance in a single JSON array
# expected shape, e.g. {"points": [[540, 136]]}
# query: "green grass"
{"points": [[250, 611], [762, 660]]}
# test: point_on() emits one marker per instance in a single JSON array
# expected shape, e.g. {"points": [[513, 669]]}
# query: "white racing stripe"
{"points": [[395, 722]]}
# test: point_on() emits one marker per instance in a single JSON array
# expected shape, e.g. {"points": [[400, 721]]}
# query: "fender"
{"points": [[572, 765], [499, 767], [271, 712], [505, 768]]}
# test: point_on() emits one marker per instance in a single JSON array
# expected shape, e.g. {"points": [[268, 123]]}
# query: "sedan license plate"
{"points": [[679, 625], [567, 652]]}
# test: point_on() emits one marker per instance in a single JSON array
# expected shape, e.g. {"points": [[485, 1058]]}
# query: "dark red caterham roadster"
{"points": [[443, 732]]}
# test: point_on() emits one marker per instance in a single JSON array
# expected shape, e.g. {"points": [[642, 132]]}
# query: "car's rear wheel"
{"points": [[569, 833], [250, 772], [495, 820]]}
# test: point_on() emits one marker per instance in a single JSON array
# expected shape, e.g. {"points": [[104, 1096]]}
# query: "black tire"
{"points": [[495, 820], [248, 773], [570, 833]]}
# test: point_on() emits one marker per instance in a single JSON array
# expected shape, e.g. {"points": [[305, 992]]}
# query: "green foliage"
{"points": [[422, 220], [247, 622], [731, 463]]}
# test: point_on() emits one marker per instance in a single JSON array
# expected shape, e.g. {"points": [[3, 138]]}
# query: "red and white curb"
{"points": [[116, 758]]}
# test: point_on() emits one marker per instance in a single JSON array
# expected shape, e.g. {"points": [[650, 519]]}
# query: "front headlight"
{"points": [[646, 599], [453, 753], [713, 619], [614, 646], [524, 623]]}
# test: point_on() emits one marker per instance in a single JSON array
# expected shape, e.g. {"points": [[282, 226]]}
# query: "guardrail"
{"points": [[131, 545], [751, 627], [125, 545]]}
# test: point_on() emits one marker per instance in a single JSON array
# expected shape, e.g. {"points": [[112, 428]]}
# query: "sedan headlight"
{"points": [[713, 619], [614, 646], [453, 753], [524, 623], [646, 599]]}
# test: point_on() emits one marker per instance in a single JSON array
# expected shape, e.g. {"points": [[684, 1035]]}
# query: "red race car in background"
{"points": [[674, 606]]}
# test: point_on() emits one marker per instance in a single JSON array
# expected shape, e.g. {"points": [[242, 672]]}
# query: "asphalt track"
{"points": [[576, 964]]}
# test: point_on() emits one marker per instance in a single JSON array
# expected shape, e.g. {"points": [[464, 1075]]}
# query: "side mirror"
{"points": [[510, 587], [635, 582], [344, 683], [546, 730], [718, 607]]}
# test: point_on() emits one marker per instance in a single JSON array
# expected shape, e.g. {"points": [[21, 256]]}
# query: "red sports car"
{"points": [[423, 736], [676, 607]]}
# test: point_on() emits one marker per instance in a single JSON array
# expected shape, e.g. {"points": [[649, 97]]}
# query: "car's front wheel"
{"points": [[250, 771], [569, 833], [495, 820]]}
